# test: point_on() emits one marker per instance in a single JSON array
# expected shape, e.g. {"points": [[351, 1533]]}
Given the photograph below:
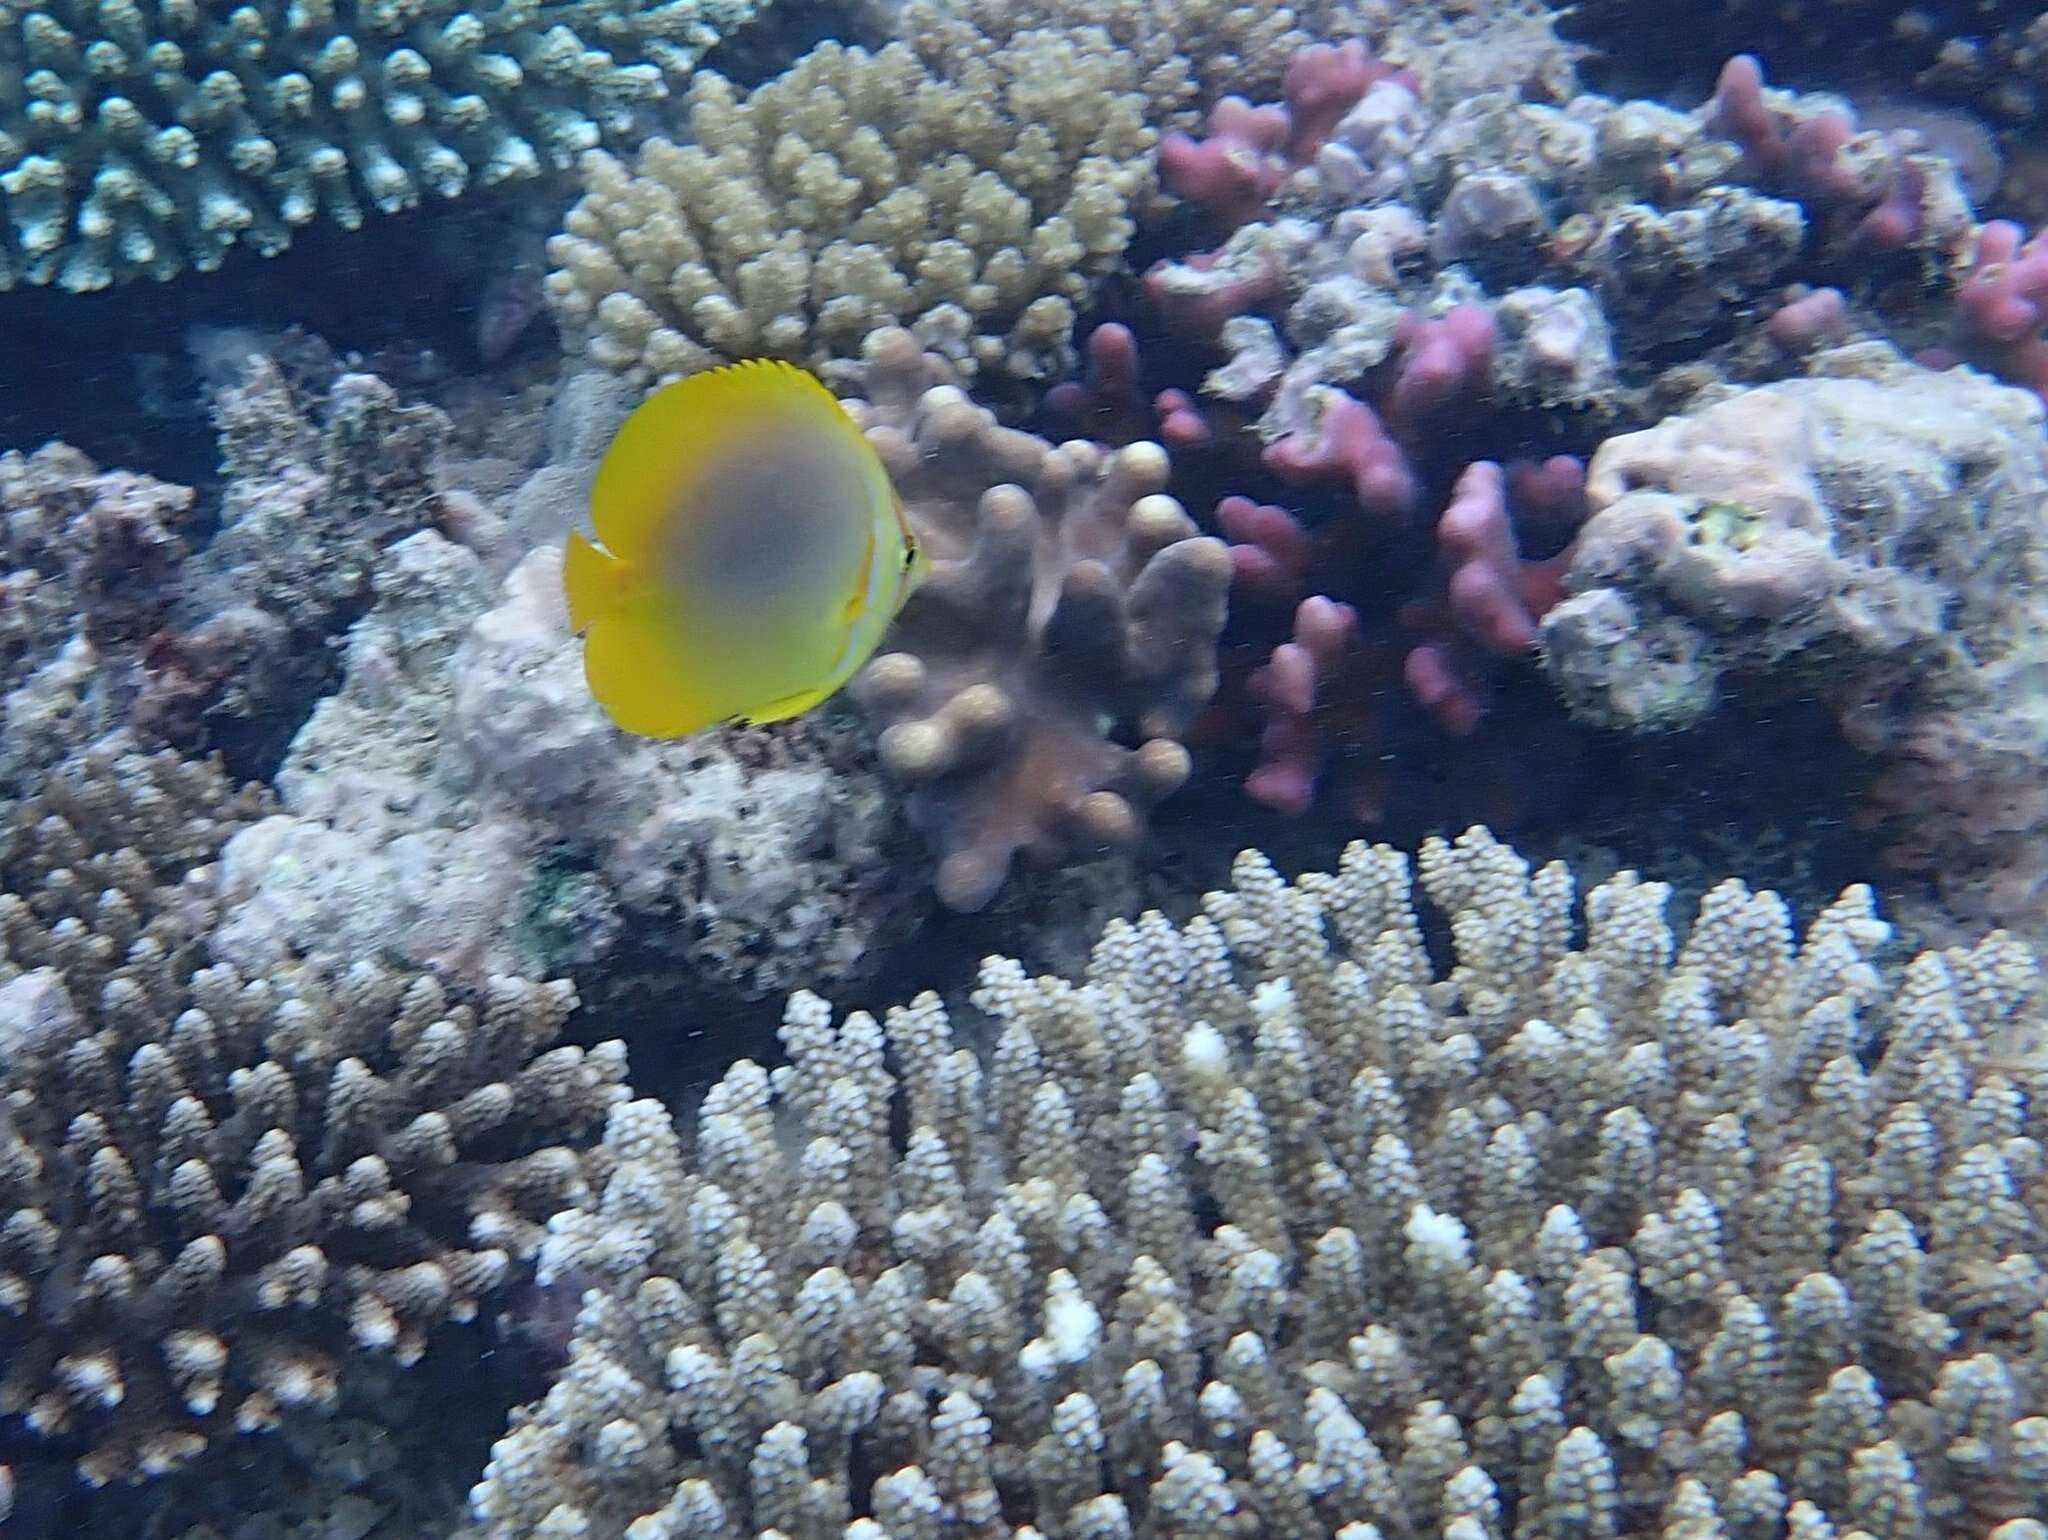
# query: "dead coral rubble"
{"points": [[89, 566], [1270, 1227], [318, 478], [1073, 610], [215, 1188]]}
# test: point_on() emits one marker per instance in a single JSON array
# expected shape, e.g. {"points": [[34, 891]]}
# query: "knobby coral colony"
{"points": [[1070, 600], [1267, 1226]]}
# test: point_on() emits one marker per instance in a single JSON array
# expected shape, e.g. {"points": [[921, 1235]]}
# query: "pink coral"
{"points": [[1801, 156], [1443, 359], [1809, 322], [1349, 444], [1250, 150], [1325, 691], [1813, 158], [1317, 691], [1998, 318], [1490, 598]]}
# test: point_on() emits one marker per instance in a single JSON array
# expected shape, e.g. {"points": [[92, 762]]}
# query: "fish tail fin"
{"points": [[590, 578]]}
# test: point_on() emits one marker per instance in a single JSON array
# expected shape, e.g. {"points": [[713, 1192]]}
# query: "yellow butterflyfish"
{"points": [[750, 553]]}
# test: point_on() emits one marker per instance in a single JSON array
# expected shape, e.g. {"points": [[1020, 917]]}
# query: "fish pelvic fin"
{"points": [[592, 579], [789, 706]]}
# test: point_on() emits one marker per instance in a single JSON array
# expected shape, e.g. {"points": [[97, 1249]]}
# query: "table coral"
{"points": [[145, 138], [976, 203], [220, 1186], [1035, 688], [1269, 1225]]}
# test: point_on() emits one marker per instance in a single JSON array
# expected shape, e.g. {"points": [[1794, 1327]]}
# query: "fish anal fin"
{"points": [[643, 682]]}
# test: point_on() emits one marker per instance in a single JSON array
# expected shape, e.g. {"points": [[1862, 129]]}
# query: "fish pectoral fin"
{"points": [[863, 577], [591, 579]]}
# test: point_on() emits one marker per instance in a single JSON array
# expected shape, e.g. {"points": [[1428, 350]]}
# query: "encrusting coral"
{"points": [[143, 137], [215, 1187], [1271, 1226], [974, 204], [1072, 611]]}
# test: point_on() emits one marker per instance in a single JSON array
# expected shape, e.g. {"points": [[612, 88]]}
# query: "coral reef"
{"points": [[1268, 1226], [1872, 534], [1986, 54], [317, 477], [1072, 611], [1592, 232], [974, 203], [462, 801], [136, 607], [142, 140], [1437, 300], [221, 1185]]}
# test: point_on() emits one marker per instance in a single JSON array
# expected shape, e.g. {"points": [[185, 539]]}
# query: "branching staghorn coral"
{"points": [[142, 137], [975, 204], [1270, 1226], [215, 1189], [1036, 686]]}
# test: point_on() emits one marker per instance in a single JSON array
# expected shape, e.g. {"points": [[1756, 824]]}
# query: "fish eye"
{"points": [[909, 554]]}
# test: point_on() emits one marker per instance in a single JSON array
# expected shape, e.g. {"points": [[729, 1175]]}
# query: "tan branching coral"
{"points": [[1072, 611], [1270, 1226], [1189, 52], [215, 1189], [859, 190]]}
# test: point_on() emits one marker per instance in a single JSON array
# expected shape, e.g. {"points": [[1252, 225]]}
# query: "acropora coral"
{"points": [[973, 202], [220, 1186], [142, 139], [1271, 1225]]}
